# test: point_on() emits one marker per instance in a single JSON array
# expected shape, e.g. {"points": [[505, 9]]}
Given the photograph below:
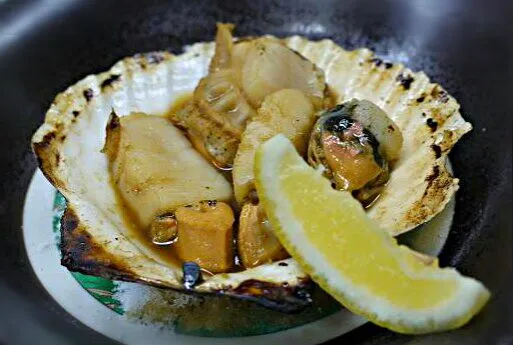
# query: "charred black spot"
{"points": [[338, 124], [440, 94], [47, 140], [432, 124], [154, 58], [110, 80], [443, 96], [88, 94], [57, 158], [281, 297], [341, 121], [76, 113], [113, 122], [81, 254], [434, 175], [39, 149], [69, 222], [420, 99], [437, 149], [377, 61], [284, 264], [391, 128], [405, 80], [63, 138], [424, 114]]}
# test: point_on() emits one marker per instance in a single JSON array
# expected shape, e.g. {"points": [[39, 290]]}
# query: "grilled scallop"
{"points": [[96, 238]]}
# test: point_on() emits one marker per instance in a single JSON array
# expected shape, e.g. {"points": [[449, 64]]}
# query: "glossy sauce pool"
{"points": [[141, 237]]}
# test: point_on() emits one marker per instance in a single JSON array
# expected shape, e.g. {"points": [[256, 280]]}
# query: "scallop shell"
{"points": [[94, 241]]}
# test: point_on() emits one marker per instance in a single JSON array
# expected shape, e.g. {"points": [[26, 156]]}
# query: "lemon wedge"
{"points": [[350, 257]]}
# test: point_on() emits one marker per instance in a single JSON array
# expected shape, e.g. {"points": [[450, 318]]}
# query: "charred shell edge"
{"points": [[79, 253]]}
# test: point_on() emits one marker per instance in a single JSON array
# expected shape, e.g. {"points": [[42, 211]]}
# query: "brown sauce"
{"points": [[165, 253], [140, 236]]}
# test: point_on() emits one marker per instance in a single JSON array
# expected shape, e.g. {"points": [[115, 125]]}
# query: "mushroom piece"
{"points": [[356, 143]]}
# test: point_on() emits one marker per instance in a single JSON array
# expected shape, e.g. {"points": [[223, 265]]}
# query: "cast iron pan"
{"points": [[464, 45]]}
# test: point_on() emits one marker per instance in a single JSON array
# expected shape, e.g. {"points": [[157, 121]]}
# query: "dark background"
{"points": [[465, 45]]}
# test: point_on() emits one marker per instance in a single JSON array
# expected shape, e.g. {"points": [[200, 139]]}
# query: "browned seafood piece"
{"points": [[356, 142], [216, 117], [218, 112], [241, 75], [287, 111], [256, 242], [205, 235]]}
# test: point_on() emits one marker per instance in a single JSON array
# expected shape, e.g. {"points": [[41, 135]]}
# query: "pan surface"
{"points": [[46, 46]]}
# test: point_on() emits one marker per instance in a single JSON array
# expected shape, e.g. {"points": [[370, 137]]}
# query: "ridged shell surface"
{"points": [[94, 240]]}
